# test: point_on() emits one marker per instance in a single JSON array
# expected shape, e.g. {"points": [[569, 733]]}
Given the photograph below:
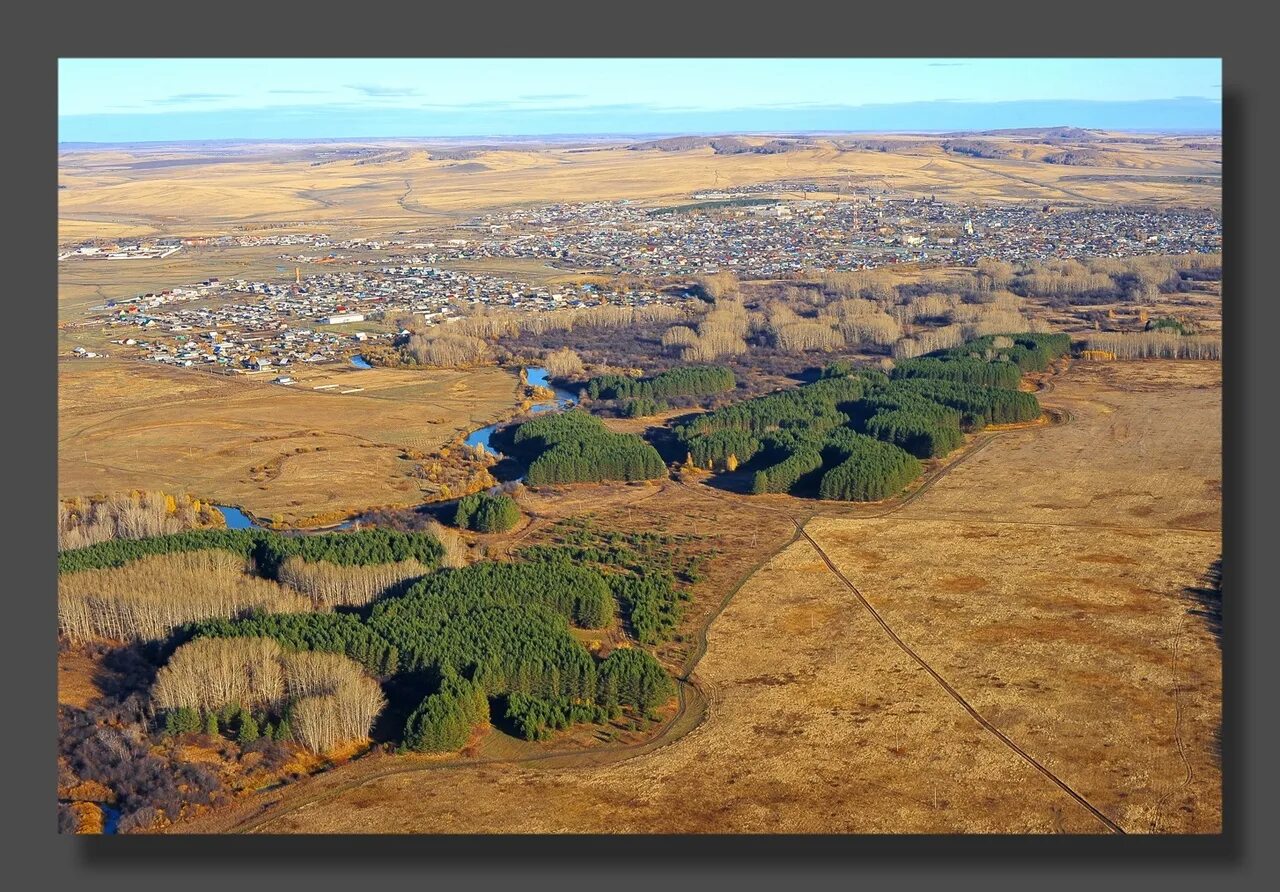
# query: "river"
{"points": [[538, 378]]}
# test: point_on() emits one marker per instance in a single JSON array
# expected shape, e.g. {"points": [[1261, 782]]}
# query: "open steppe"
{"points": [[140, 190], [1046, 578], [291, 451]]}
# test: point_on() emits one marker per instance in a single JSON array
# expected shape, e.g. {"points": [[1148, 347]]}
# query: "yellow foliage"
{"points": [[89, 817]]}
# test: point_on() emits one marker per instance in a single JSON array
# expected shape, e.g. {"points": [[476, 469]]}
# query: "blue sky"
{"points": [[175, 99]]}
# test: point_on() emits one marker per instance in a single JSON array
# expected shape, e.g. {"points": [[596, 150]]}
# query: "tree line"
{"points": [[324, 699], [784, 475], [147, 599], [1029, 351], [133, 515], [869, 471], [859, 434], [966, 371], [641, 407], [267, 548], [1157, 345], [682, 381], [337, 585]]}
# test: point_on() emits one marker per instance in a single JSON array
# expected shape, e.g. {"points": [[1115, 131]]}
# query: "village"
{"points": [[287, 323], [773, 238]]}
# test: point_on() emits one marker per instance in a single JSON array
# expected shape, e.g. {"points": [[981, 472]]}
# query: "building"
{"points": [[339, 318]]}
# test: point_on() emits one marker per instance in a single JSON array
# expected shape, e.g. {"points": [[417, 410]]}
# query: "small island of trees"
{"points": [[576, 447], [487, 513]]}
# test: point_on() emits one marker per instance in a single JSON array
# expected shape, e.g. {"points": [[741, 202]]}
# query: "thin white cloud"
{"points": [[378, 90]]}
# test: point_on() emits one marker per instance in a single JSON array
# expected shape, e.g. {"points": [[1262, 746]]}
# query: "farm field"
{"points": [[290, 452], [1047, 578]]}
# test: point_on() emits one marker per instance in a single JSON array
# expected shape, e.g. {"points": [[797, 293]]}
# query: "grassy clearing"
{"points": [[293, 454]]}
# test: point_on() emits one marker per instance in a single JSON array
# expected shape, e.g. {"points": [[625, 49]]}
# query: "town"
{"points": [[257, 324]]}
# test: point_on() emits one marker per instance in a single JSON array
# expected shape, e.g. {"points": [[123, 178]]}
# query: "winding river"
{"points": [[538, 378]]}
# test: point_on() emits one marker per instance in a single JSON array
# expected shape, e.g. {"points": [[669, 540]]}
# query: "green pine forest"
{"points": [[860, 435]]}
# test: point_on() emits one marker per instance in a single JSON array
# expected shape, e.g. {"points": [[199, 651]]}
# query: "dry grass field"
{"points": [[1044, 578], [129, 190], [295, 451]]}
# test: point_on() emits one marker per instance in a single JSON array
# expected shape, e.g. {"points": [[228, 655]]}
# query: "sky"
{"points": [[135, 100]]}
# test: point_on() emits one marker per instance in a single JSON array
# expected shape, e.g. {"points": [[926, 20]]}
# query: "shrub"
{"points": [[487, 513]]}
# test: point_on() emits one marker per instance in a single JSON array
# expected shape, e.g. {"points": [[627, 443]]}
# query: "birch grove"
{"points": [[1156, 345], [328, 698], [146, 599], [337, 585]]}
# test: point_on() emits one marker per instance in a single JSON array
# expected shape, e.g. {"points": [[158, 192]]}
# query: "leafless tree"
{"points": [[148, 598]]}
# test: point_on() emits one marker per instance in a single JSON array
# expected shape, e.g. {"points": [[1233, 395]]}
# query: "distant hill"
{"points": [[1043, 134], [721, 145]]}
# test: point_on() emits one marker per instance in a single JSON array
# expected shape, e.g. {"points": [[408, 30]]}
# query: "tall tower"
{"points": [[297, 275]]}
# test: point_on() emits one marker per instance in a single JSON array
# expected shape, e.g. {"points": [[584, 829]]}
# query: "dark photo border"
{"points": [[40, 857]]}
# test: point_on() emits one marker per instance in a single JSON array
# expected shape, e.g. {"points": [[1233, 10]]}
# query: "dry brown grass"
{"points": [[79, 674], [419, 191], [1012, 577], [293, 452]]}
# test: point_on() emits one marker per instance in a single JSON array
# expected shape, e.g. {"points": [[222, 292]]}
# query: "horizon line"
{"points": [[1174, 131]]}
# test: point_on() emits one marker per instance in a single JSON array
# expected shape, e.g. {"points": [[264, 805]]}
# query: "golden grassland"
{"points": [[293, 452], [1043, 577], [408, 188], [80, 677]]}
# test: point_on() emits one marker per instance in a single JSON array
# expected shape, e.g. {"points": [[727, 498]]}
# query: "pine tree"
{"points": [[228, 715], [211, 724], [248, 729]]}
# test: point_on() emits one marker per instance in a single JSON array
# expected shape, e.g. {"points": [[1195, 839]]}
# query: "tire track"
{"points": [[956, 695], [1189, 775]]}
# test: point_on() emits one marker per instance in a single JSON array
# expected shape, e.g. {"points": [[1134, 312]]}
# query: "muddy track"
{"points": [[1188, 773]]}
